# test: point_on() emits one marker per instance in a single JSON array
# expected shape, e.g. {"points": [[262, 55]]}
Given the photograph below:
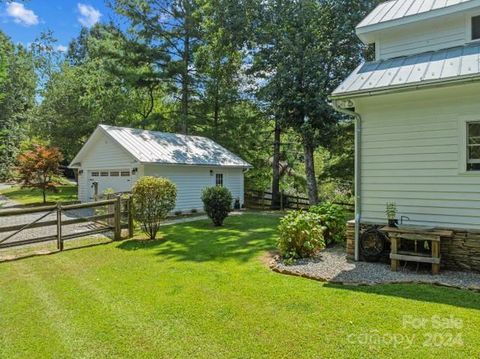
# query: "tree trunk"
{"points": [[310, 172], [276, 166], [44, 195], [185, 76], [216, 113]]}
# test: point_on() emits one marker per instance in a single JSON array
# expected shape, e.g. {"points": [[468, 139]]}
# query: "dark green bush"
{"points": [[301, 235], [332, 217], [217, 203], [153, 199]]}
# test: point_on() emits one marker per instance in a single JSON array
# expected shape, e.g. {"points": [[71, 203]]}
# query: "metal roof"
{"points": [[431, 67], [170, 148], [398, 9]]}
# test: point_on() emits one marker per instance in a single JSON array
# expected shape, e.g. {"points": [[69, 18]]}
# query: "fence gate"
{"points": [[59, 222]]}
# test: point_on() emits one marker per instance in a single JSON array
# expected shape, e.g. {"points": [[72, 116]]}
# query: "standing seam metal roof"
{"points": [[448, 64], [397, 9], [169, 148]]}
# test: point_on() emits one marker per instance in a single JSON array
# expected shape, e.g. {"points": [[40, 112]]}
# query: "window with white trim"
{"points": [[103, 174], [114, 173], [476, 27], [473, 146], [125, 173], [219, 179], [95, 174]]}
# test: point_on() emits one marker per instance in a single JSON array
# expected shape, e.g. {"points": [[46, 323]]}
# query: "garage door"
{"points": [[101, 180]]}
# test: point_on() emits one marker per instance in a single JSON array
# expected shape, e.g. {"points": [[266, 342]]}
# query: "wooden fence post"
{"points": [[130, 216], [59, 227], [118, 219]]}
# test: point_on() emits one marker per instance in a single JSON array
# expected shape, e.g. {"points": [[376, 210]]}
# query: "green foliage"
{"points": [[217, 203], [332, 217], [153, 199], [301, 235], [17, 92]]}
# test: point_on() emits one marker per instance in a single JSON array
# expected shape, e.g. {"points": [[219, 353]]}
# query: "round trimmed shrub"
{"points": [[217, 203], [332, 217], [153, 199], [301, 235]]}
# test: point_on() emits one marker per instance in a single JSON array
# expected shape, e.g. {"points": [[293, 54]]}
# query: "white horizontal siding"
{"points": [[105, 153], [411, 153], [191, 180], [418, 38]]}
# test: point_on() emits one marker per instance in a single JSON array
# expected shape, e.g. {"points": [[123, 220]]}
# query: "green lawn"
{"points": [[203, 292], [66, 193]]}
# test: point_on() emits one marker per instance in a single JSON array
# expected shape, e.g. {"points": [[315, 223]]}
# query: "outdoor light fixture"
{"points": [[80, 172], [134, 171], [211, 172]]}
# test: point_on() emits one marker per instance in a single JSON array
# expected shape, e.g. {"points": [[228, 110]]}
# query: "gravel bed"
{"points": [[332, 265]]}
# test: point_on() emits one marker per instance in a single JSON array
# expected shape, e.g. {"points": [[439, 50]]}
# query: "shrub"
{"points": [[193, 210], [301, 235], [153, 199], [332, 217], [178, 213], [217, 203]]}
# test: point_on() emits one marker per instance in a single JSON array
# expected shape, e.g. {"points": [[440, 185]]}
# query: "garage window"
{"points": [[219, 179], [125, 173], [104, 174], [476, 28], [114, 174], [95, 174]]}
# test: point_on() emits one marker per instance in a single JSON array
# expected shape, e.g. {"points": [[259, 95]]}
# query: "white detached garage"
{"points": [[115, 157]]}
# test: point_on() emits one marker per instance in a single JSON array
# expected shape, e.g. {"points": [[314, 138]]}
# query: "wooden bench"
{"points": [[412, 234]]}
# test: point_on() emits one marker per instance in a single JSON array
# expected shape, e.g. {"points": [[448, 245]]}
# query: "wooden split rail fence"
{"points": [[111, 215], [264, 200]]}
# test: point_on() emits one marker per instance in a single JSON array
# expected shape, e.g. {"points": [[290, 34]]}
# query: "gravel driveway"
{"points": [[332, 266]]}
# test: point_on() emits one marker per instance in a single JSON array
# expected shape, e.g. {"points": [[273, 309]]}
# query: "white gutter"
{"points": [[358, 139]]}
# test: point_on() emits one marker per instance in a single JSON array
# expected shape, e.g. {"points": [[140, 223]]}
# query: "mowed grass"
{"points": [[204, 292], [66, 193]]}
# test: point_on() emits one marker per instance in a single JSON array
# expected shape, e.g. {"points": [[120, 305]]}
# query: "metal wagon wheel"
{"points": [[372, 244]]}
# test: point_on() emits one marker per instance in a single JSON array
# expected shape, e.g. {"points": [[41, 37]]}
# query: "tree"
{"points": [[17, 90], [304, 49], [164, 36], [153, 199], [39, 168]]}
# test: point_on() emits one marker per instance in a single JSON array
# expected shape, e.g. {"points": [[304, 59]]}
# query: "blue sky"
{"points": [[23, 21]]}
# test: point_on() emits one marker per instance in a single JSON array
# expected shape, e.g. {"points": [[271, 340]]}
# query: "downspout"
{"points": [[358, 138]]}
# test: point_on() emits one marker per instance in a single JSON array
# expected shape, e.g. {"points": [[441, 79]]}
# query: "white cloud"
{"points": [[62, 48], [89, 16], [21, 15]]}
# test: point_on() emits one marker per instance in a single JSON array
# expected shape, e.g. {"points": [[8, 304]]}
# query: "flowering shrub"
{"points": [[301, 235], [332, 217]]}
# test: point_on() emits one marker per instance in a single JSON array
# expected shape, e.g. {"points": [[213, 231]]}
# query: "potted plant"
{"points": [[391, 212]]}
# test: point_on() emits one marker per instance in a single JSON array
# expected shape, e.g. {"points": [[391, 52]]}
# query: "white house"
{"points": [[115, 157], [417, 110]]}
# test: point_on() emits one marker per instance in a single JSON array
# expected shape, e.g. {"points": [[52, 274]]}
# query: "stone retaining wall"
{"points": [[461, 252]]}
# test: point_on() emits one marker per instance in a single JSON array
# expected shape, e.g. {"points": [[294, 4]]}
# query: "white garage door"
{"points": [[101, 180]]}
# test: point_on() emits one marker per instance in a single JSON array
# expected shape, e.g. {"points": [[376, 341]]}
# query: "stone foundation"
{"points": [[461, 252]]}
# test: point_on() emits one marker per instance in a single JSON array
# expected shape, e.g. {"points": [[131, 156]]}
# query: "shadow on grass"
{"points": [[240, 239], [419, 292]]}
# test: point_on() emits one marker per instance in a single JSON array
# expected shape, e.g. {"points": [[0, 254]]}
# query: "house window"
{"points": [[476, 28], [125, 173], [114, 174], [219, 179], [473, 146], [95, 174]]}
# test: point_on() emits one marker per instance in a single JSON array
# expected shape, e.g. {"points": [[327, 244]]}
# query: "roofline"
{"points": [[365, 32], [247, 165], [75, 162], [402, 88]]}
